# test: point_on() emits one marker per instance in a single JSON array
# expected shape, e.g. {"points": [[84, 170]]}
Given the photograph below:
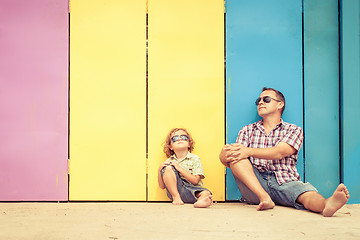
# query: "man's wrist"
{"points": [[250, 152]]}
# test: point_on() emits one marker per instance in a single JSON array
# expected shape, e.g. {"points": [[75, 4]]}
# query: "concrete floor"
{"points": [[165, 221]]}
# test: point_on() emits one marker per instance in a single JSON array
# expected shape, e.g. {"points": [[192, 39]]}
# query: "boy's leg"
{"points": [[243, 170], [170, 181], [204, 199], [313, 201]]}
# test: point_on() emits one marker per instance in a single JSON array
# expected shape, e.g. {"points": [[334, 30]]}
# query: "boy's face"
{"points": [[180, 144]]}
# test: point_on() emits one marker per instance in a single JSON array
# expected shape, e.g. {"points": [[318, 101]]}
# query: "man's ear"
{"points": [[280, 105]]}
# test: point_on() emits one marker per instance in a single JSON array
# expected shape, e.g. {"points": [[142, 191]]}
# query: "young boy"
{"points": [[182, 172]]}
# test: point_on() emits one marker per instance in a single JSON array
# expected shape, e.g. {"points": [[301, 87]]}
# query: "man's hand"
{"points": [[236, 152], [233, 153]]}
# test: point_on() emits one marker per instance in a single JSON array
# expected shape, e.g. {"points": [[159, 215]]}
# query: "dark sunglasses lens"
{"points": [[267, 99], [184, 137], [175, 138]]}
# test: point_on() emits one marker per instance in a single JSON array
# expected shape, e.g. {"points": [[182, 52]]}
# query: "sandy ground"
{"points": [[165, 221]]}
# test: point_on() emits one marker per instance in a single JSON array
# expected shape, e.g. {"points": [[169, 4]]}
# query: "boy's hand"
{"points": [[164, 164], [175, 164]]}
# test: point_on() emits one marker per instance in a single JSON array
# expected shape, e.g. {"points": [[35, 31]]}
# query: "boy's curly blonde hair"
{"points": [[167, 142]]}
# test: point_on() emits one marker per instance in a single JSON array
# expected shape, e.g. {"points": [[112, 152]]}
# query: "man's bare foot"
{"points": [[204, 202], [177, 201], [265, 205], [336, 201]]}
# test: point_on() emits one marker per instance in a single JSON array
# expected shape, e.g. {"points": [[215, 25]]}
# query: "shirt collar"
{"points": [[260, 126], [186, 157]]}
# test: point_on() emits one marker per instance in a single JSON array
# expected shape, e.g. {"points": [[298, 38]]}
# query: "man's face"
{"points": [[274, 106]]}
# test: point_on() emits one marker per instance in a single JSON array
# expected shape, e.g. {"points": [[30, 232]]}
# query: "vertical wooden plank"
{"points": [[263, 49], [33, 100], [350, 102], [186, 84], [321, 81], [107, 100]]}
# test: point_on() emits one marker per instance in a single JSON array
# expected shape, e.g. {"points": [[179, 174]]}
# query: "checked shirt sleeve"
{"points": [[243, 136], [293, 136]]}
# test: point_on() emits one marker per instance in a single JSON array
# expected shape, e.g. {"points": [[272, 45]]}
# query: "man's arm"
{"points": [[273, 153], [280, 151], [229, 153], [222, 157]]}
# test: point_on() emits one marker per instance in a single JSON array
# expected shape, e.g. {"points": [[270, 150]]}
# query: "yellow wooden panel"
{"points": [[186, 84], [108, 100]]}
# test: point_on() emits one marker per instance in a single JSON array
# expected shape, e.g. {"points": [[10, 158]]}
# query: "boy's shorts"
{"points": [[284, 194], [186, 190]]}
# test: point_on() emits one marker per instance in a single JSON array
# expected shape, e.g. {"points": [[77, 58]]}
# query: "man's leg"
{"points": [[170, 181], [243, 170], [313, 201]]}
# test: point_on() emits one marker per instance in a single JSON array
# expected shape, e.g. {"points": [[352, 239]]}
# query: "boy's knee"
{"points": [[168, 169]]}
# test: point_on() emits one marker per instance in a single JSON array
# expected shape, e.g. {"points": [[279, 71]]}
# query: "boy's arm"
{"points": [[194, 179]]}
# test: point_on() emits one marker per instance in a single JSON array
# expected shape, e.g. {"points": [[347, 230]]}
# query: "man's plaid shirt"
{"points": [[254, 136]]}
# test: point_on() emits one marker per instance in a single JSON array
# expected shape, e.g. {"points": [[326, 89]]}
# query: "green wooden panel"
{"points": [[350, 102], [321, 94]]}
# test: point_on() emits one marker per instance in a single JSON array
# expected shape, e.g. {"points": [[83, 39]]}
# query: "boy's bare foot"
{"points": [[265, 205], [177, 201], [204, 202], [336, 201]]}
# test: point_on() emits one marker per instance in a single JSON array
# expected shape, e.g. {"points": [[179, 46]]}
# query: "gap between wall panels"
{"points": [[303, 84], [340, 95], [147, 103]]}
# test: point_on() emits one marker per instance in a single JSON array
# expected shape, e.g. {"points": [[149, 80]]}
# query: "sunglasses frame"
{"points": [[176, 138], [266, 99]]}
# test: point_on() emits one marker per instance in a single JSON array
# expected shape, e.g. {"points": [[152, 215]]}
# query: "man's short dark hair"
{"points": [[279, 95]]}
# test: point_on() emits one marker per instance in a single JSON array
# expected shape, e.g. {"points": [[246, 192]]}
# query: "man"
{"points": [[263, 162]]}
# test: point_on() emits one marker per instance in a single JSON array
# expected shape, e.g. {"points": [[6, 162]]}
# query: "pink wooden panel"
{"points": [[33, 100]]}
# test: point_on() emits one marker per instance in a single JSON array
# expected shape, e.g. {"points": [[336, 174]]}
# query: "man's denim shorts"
{"points": [[186, 190], [284, 194]]}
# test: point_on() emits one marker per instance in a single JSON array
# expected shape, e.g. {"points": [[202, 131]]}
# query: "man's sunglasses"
{"points": [[177, 138], [266, 99]]}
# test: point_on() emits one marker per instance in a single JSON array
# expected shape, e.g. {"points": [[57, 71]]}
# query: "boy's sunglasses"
{"points": [[266, 99], [177, 138]]}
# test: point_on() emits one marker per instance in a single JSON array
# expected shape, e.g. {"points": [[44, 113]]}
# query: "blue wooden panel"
{"points": [[321, 94], [350, 102], [263, 48]]}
